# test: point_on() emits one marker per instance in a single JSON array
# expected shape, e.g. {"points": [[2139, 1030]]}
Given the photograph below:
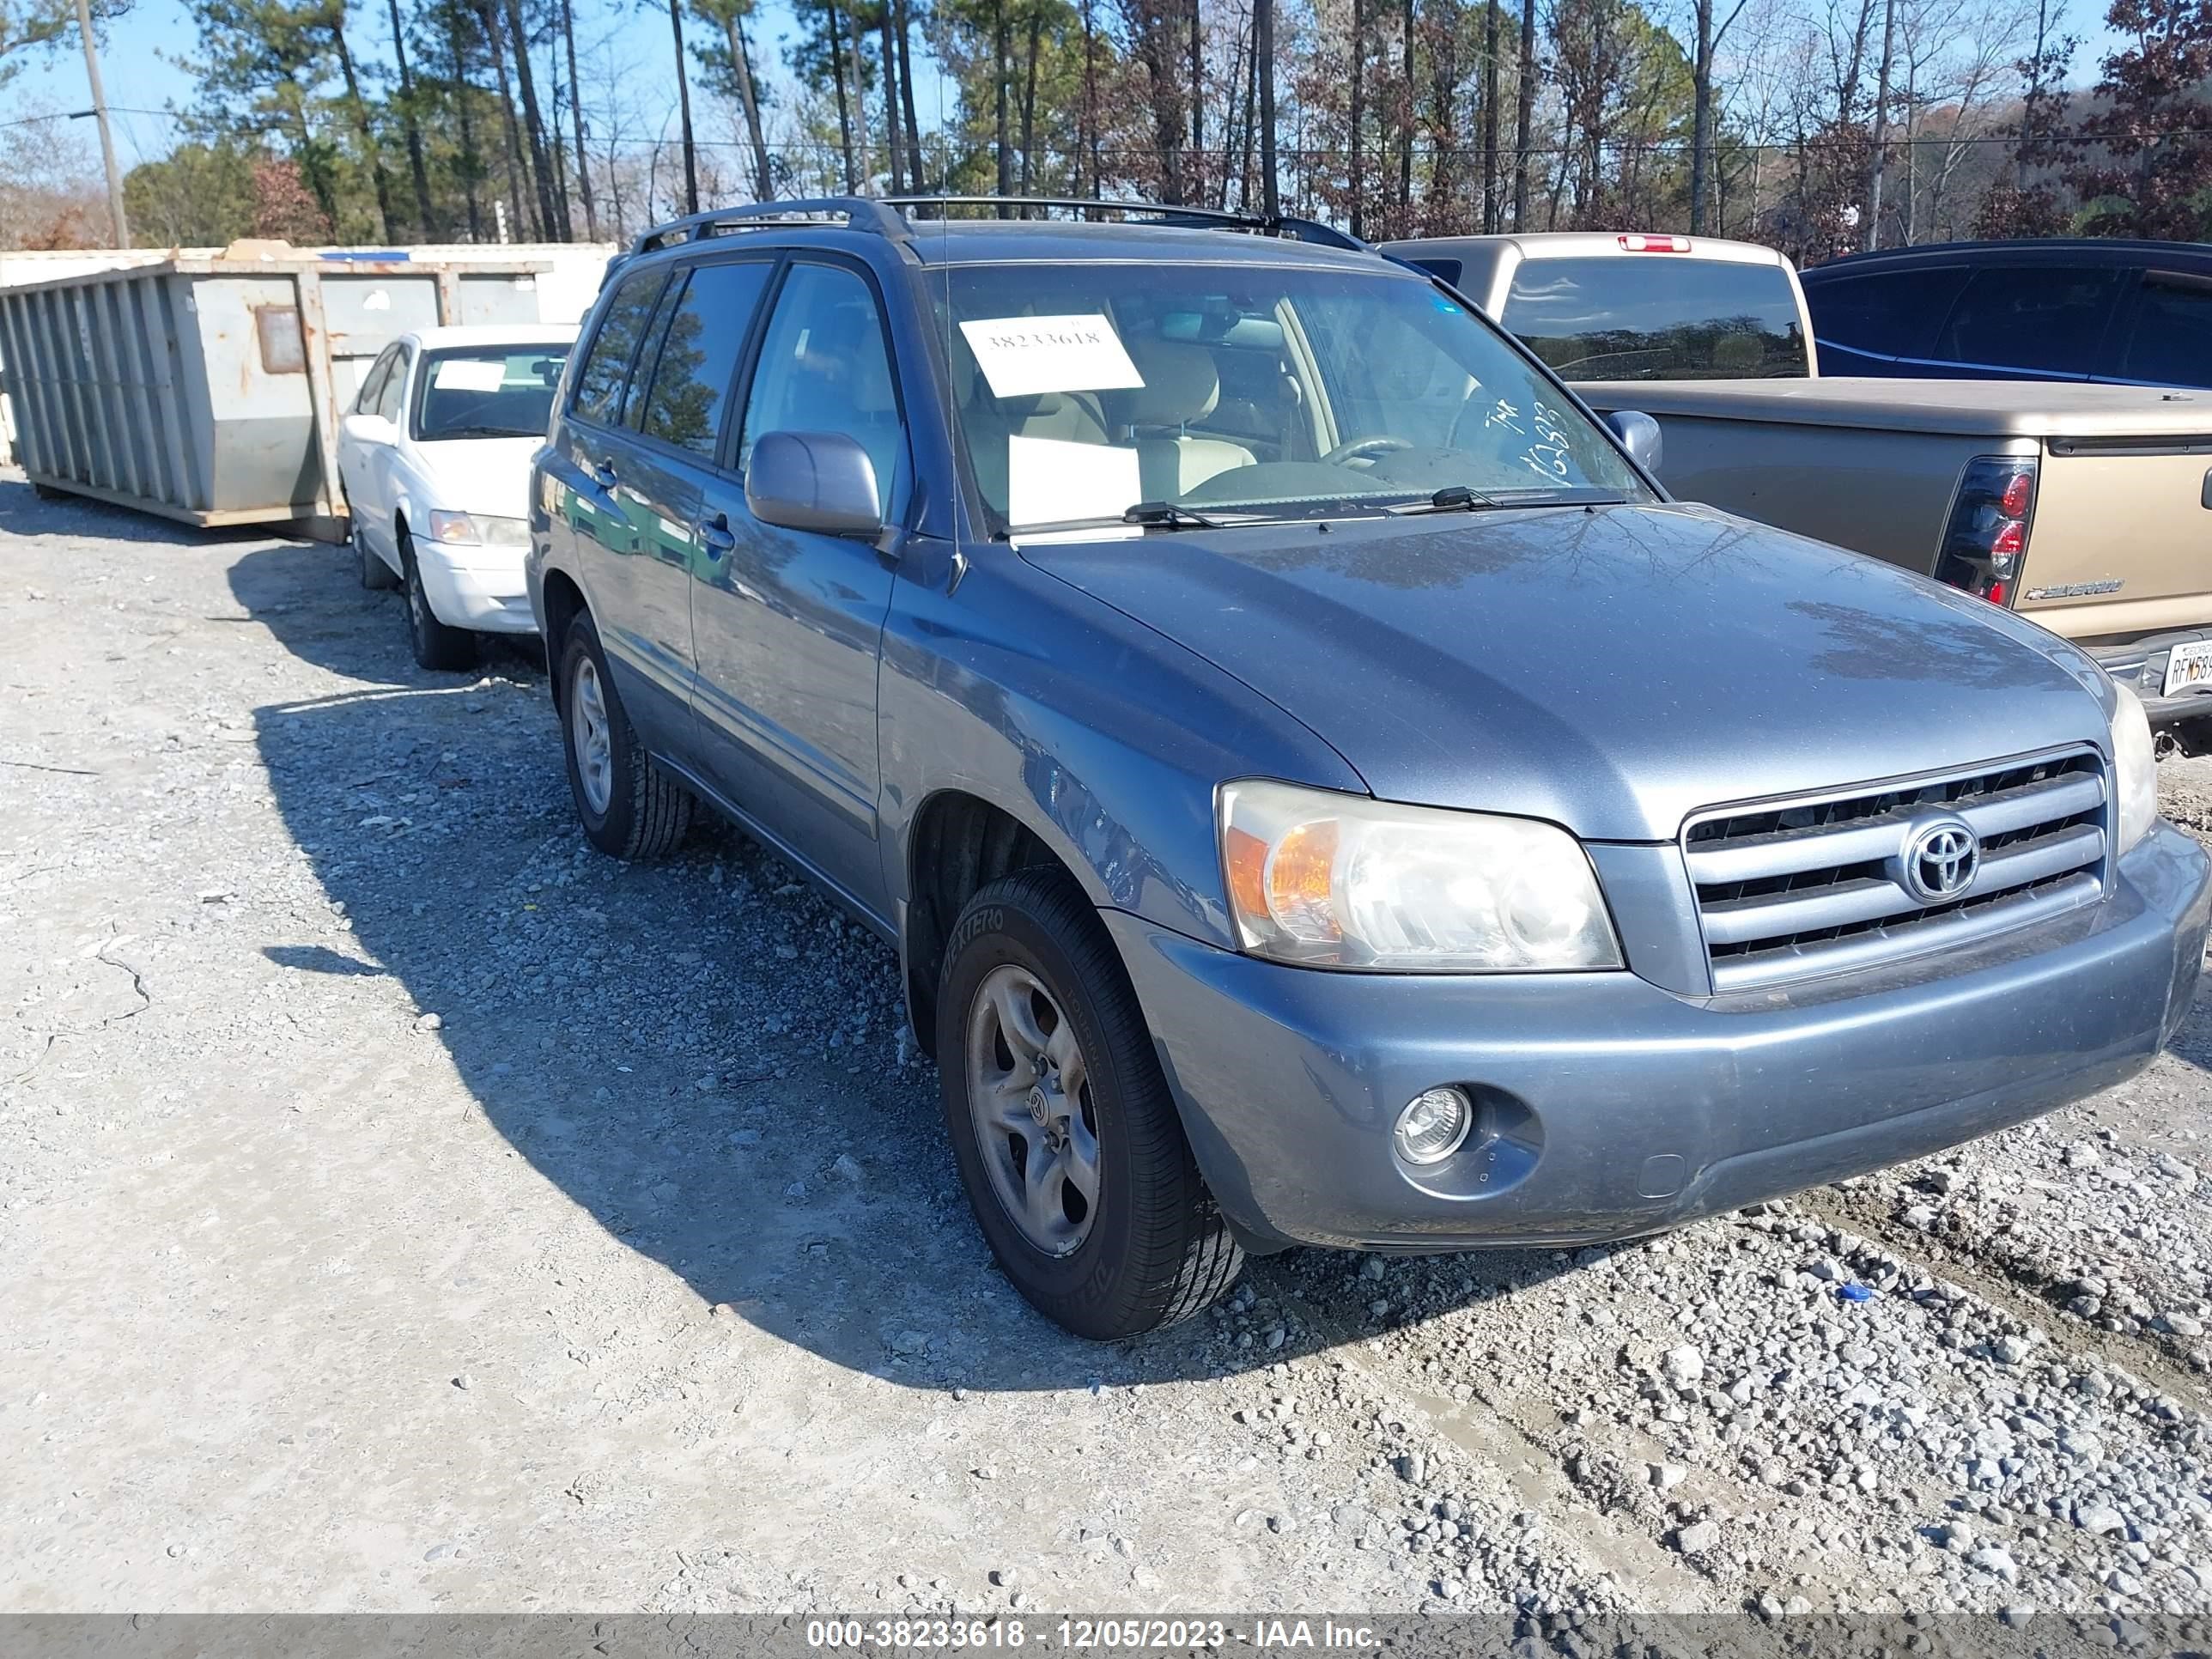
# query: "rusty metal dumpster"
{"points": [[210, 390]]}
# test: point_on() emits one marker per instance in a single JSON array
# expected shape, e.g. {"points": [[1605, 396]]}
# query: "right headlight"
{"points": [[1330, 880], [2135, 768]]}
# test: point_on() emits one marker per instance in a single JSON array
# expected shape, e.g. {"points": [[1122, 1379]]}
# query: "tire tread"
{"points": [[658, 807], [1182, 1253]]}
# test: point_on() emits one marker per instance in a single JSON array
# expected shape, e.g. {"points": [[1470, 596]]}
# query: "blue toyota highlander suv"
{"points": [[1320, 788]]}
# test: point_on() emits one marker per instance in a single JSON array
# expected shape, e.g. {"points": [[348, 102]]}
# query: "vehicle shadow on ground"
{"points": [[703, 1054]]}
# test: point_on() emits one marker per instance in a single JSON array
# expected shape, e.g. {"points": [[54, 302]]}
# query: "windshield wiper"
{"points": [[1452, 498], [1146, 515], [1167, 515], [485, 432], [1460, 498]]}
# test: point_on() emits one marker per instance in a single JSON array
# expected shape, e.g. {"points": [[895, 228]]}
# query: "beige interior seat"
{"points": [[1181, 385], [1073, 418]]}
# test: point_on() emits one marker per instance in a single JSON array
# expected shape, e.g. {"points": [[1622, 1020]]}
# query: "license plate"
{"points": [[2189, 666]]}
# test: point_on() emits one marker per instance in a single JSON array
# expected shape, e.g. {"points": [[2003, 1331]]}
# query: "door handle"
{"points": [[716, 534]]}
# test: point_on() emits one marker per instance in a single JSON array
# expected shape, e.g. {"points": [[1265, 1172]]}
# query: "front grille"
{"points": [[1792, 890]]}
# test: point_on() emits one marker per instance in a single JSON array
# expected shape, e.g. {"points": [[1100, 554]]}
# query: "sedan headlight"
{"points": [[1341, 881], [2135, 768], [478, 529]]}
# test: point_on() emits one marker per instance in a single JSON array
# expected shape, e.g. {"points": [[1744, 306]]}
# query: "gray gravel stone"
{"points": [[1698, 1538]]}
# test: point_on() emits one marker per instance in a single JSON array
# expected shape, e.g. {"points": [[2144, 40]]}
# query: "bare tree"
{"points": [[1263, 51], [1525, 98], [1881, 143], [1707, 36]]}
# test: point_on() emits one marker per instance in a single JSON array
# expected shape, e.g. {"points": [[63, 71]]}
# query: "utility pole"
{"points": [[115, 213]]}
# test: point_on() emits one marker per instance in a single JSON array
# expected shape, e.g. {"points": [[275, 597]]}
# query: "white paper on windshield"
{"points": [[1022, 357], [468, 375], [1049, 479]]}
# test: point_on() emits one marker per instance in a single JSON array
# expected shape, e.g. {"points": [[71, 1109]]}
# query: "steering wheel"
{"points": [[1380, 443]]}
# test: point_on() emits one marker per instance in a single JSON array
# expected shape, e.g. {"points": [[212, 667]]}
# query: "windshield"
{"points": [[1084, 389], [488, 392], [1657, 317]]}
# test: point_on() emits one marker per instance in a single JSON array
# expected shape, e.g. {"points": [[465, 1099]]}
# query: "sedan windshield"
{"points": [[1233, 390], [488, 392]]}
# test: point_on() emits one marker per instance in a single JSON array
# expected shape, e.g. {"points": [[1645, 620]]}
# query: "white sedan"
{"points": [[435, 457]]}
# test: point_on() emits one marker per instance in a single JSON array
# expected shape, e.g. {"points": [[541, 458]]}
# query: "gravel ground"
{"points": [[410, 1210]]}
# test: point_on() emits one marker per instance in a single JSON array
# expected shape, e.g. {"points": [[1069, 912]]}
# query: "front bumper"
{"points": [[2139, 665], [477, 587], [1616, 1108]]}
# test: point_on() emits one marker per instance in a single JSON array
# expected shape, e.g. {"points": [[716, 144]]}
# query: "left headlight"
{"points": [[1340, 881], [2135, 768]]}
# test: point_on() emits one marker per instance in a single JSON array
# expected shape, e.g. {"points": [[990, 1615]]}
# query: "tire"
{"points": [[646, 811], [1151, 1249], [375, 575], [435, 644]]}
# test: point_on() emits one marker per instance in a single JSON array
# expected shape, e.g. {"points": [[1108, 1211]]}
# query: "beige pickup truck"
{"points": [[2086, 507]]}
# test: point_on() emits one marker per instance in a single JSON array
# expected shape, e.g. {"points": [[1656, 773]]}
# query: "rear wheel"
{"points": [[1067, 1139], [435, 644], [628, 806]]}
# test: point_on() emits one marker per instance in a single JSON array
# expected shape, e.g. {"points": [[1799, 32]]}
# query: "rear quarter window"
{"points": [[606, 366], [1657, 317], [2048, 318], [1891, 313], [2170, 341]]}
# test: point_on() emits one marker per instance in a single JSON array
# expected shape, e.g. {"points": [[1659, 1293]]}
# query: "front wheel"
{"points": [[1067, 1139], [435, 644]]}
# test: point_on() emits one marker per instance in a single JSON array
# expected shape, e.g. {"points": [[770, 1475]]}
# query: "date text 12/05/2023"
{"points": [[1088, 1635]]}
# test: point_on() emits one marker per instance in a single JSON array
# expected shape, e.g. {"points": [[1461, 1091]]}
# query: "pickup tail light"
{"points": [[1633, 243], [1986, 542]]}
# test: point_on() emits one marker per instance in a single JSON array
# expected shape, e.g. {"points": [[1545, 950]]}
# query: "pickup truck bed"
{"points": [[2118, 538]]}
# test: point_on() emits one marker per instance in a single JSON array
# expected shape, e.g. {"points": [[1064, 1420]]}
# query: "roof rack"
{"points": [[1301, 230], [884, 216], [859, 212]]}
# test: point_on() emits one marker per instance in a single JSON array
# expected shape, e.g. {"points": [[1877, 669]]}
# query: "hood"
{"points": [[489, 476], [1611, 670]]}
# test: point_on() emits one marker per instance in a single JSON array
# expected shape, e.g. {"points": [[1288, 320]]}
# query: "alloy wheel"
{"points": [[589, 731], [1029, 1091]]}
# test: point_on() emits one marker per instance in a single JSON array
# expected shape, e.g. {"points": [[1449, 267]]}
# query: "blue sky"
{"points": [[139, 65], [143, 75]]}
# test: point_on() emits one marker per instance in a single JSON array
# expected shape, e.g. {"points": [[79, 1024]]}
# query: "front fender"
{"points": [[1104, 739]]}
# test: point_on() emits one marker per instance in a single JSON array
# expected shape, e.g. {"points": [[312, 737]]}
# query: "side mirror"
{"points": [[821, 481], [369, 429], [1640, 436]]}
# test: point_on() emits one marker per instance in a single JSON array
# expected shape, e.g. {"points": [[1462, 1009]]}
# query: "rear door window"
{"points": [[1657, 317], [1892, 314], [395, 383], [648, 353], [372, 385], [2170, 341], [606, 367], [699, 355], [2049, 319]]}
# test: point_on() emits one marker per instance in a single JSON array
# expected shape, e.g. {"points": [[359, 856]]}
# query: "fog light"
{"points": [[1434, 1126]]}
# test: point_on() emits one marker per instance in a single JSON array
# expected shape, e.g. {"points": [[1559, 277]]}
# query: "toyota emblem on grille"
{"points": [[1940, 860]]}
